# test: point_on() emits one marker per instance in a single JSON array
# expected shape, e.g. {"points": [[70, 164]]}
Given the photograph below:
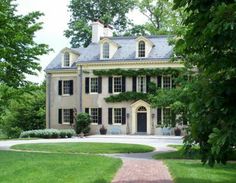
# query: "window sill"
{"points": [[66, 95], [117, 124], [65, 123], [93, 93], [95, 124]]}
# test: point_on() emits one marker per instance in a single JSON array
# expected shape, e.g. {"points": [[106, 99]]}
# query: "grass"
{"points": [[93, 148], [186, 171], [179, 154], [21, 167]]}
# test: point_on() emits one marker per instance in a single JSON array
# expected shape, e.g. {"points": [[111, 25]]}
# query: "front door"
{"points": [[142, 122]]}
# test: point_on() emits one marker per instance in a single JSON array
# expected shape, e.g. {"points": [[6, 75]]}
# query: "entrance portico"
{"points": [[141, 117]]}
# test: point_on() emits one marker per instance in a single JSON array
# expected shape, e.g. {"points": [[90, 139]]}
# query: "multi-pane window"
{"points": [[66, 59], [106, 50], [166, 82], [117, 84], [94, 115], [141, 87], [166, 115], [66, 116], [117, 115], [94, 85], [141, 49], [66, 87]]}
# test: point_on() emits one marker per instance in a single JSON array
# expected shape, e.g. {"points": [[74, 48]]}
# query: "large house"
{"points": [[82, 79]]}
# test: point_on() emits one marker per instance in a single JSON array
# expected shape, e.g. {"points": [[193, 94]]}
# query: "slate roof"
{"points": [[160, 51]]}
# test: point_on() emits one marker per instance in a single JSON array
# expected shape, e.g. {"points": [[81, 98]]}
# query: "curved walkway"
{"points": [[137, 167]]}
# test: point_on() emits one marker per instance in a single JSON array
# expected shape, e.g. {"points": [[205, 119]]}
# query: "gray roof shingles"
{"points": [[161, 51]]}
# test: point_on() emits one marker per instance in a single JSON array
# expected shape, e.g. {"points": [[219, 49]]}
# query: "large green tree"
{"points": [[208, 44], [25, 112], [111, 12], [18, 50], [161, 18]]}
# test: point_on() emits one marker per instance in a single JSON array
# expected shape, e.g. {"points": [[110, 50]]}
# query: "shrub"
{"points": [[82, 123], [48, 133]]}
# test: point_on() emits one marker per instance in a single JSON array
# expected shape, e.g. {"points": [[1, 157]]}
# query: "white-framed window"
{"points": [[106, 50], [66, 87], [141, 49], [141, 86], [93, 85], [166, 80], [117, 115], [166, 115], [66, 116], [117, 84], [66, 60], [94, 115]]}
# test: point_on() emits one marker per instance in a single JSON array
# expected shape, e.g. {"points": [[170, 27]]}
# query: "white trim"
{"points": [[90, 92], [113, 85], [145, 84], [113, 116], [62, 121]]}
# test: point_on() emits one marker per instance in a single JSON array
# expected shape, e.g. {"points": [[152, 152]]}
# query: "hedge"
{"points": [[48, 133]]}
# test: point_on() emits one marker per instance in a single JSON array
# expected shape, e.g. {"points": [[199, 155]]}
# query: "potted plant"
{"points": [[82, 124], [103, 130], [177, 131]]}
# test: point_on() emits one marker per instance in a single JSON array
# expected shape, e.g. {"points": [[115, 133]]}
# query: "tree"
{"points": [[27, 112], [85, 11], [209, 45], [161, 18], [18, 50]]}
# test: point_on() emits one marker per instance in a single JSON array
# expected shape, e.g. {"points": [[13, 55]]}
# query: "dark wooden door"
{"points": [[141, 122]]}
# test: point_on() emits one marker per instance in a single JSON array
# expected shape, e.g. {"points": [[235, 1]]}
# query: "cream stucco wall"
{"points": [[97, 100]]}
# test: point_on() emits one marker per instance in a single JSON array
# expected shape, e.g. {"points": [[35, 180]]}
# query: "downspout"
{"points": [[49, 100], [81, 89]]}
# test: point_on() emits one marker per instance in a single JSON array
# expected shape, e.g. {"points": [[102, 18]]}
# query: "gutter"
{"points": [[81, 89], [49, 100]]}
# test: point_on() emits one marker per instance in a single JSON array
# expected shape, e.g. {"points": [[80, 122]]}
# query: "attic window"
{"points": [[66, 62], [141, 49], [106, 50]]}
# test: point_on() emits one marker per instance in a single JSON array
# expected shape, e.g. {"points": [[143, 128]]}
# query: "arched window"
{"points": [[141, 49], [106, 50], [142, 109], [66, 59]]}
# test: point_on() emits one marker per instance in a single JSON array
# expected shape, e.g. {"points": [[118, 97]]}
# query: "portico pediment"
{"points": [[140, 103]]}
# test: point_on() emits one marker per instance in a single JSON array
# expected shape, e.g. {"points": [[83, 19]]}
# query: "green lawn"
{"points": [[84, 147], [192, 171], [184, 170], [179, 154], [21, 167]]}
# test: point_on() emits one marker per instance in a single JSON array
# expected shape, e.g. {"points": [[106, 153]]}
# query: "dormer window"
{"points": [[66, 62], [106, 48], [141, 49]]}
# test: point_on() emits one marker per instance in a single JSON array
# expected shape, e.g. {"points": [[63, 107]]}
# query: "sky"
{"points": [[55, 20]]}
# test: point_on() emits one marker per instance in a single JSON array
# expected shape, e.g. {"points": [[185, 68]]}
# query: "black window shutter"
{"points": [[148, 79], [159, 116], [60, 87], [99, 116], [123, 84], [60, 116], [86, 85], [134, 84], [173, 82], [110, 85], [123, 116], [110, 116], [71, 87], [87, 110], [71, 116], [99, 84], [159, 81]]}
